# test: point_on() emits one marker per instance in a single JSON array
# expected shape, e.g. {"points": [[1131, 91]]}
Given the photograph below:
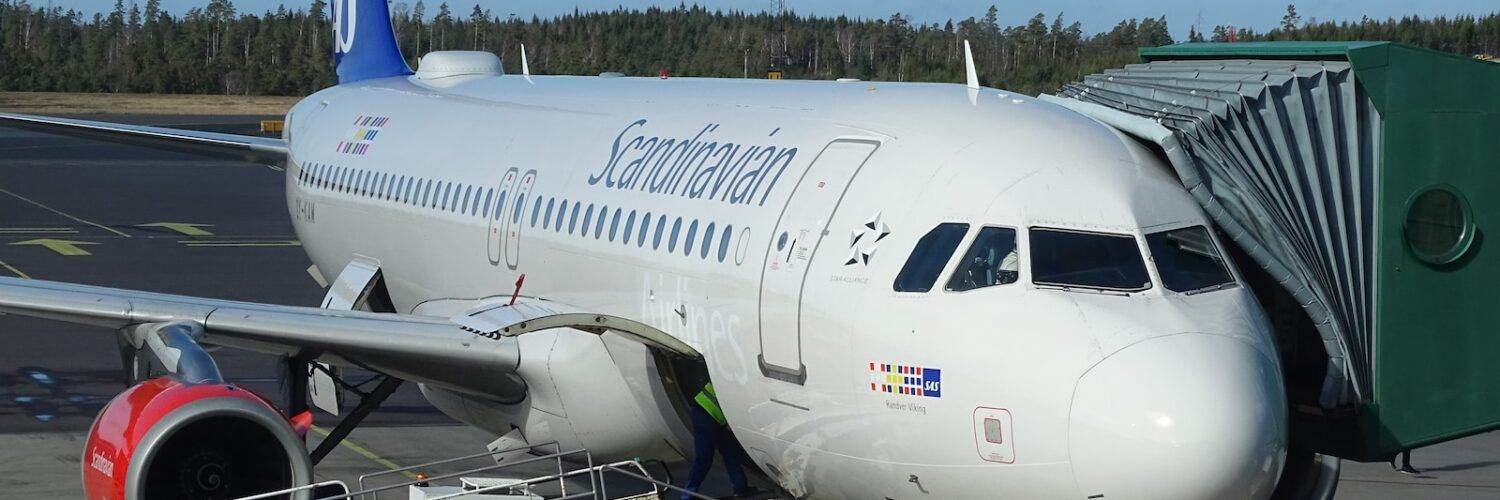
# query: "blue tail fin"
{"points": [[364, 44]]}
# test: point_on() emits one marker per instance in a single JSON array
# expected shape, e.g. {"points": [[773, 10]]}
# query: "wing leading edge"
{"points": [[241, 147], [475, 352], [419, 348]]}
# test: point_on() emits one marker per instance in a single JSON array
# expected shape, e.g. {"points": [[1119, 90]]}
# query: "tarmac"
{"points": [[103, 214]]}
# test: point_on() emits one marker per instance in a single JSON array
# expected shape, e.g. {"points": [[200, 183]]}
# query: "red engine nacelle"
{"points": [[167, 439]]}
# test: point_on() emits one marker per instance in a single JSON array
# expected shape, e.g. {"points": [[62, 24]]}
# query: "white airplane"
{"points": [[900, 290]]}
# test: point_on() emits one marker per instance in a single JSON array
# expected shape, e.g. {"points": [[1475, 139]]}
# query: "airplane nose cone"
{"points": [[1180, 416]]}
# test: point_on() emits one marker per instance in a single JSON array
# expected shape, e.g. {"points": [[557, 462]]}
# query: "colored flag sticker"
{"points": [[908, 380], [362, 135]]}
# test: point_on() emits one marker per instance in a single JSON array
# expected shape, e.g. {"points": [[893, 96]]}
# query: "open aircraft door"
{"points": [[495, 241], [802, 226]]}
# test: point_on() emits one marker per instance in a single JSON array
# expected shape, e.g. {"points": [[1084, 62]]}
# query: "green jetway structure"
{"points": [[1359, 182]]}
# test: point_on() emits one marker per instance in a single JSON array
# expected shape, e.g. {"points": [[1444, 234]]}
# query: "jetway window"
{"points": [[991, 260], [929, 256], [1439, 225], [1187, 260], [1087, 260]]}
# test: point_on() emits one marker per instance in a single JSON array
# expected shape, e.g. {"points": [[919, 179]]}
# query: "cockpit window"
{"points": [[1187, 260], [1087, 260], [928, 258], [991, 260]]}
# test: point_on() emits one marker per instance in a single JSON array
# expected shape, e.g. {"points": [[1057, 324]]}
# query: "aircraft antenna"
{"points": [[525, 68], [973, 82]]}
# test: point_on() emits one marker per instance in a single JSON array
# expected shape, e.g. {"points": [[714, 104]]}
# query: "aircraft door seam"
{"points": [[790, 274]]}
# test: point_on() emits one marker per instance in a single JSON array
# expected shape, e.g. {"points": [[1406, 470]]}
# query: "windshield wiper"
{"points": [[1213, 288]]}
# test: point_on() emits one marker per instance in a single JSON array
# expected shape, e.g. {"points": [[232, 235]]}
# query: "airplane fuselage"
{"points": [[765, 224]]}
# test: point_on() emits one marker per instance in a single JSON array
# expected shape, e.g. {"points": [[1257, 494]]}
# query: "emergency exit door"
{"points": [[799, 232], [516, 220], [495, 240]]}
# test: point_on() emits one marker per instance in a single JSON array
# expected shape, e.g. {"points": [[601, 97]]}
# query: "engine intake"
{"points": [[168, 439]]}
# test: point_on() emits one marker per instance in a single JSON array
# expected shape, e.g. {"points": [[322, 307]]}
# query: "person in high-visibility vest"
{"points": [[710, 433]]}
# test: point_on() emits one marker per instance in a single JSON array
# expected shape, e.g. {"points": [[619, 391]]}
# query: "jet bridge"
{"points": [[1357, 181]]}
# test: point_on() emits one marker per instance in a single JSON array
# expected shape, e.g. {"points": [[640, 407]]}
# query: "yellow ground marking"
{"points": [[43, 230], [62, 247], [62, 213], [15, 271], [241, 243], [186, 228], [364, 452]]}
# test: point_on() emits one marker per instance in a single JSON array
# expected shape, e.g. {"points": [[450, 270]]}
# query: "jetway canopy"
{"points": [[1361, 177]]}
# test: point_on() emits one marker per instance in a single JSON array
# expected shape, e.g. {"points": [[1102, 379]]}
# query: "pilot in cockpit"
{"points": [[991, 260]]}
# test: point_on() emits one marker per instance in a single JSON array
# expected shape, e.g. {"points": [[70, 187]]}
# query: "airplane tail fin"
{"points": [[364, 43]]}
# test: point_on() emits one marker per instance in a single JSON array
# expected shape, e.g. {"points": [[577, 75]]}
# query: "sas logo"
{"points": [[906, 379], [362, 135], [863, 241]]}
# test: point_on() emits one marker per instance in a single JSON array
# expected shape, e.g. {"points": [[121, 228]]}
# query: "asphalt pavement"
{"points": [[103, 214]]}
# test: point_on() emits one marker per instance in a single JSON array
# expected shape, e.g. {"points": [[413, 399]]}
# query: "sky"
{"points": [[1096, 15]]}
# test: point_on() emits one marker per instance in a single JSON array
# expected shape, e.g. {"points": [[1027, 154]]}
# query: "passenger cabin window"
{"points": [[1187, 260], [991, 260], [928, 258], [1076, 259]]}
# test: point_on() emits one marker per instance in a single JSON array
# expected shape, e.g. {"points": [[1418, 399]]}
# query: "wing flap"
{"points": [[241, 147]]}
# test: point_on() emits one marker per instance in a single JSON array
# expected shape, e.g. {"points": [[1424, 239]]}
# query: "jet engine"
{"points": [[190, 434]]}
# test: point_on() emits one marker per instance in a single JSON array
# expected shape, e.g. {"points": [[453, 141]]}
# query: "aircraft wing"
{"points": [[420, 348], [240, 147]]}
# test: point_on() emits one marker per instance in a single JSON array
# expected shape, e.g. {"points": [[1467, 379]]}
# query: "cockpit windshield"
{"points": [[991, 261], [1077, 259], [1187, 260]]}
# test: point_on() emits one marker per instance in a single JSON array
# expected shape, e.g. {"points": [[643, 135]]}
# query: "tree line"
{"points": [[138, 47]]}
